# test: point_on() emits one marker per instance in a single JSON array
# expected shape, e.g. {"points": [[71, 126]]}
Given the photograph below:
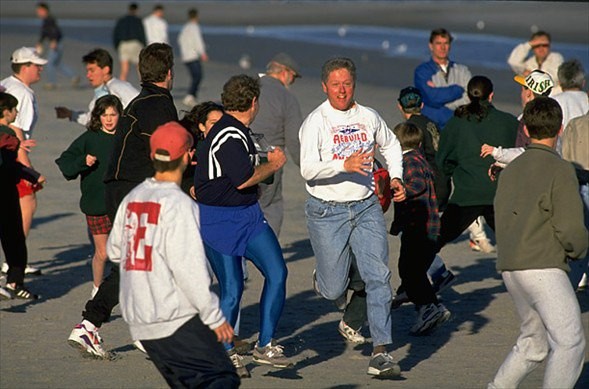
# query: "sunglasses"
{"points": [[541, 45]]}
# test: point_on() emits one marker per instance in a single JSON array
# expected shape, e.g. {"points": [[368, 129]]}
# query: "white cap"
{"points": [[27, 55]]}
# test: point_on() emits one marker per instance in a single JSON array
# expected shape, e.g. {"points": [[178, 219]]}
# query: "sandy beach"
{"points": [[465, 353]]}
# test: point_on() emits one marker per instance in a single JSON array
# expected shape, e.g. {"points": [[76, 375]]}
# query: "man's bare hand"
{"points": [[359, 162], [277, 158], [27, 144], [486, 150], [90, 160], [398, 190], [63, 113], [224, 333]]}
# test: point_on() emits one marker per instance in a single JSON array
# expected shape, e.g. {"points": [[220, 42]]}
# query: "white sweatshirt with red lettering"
{"points": [[165, 277], [328, 136]]}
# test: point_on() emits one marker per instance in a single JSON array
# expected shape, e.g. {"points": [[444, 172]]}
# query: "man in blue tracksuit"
{"points": [[442, 82]]}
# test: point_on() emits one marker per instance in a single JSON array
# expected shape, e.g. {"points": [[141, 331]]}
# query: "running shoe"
{"points": [[271, 354], [29, 270], [444, 281], [350, 334], [89, 343], [21, 293], [237, 361], [383, 365]]}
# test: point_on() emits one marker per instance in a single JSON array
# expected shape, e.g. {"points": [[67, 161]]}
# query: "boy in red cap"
{"points": [[165, 283]]}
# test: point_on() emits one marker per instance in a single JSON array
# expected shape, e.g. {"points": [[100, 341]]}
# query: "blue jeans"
{"points": [[339, 231], [581, 266], [265, 253], [54, 64], [195, 70]]}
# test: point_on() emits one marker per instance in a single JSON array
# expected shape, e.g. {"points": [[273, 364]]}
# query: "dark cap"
{"points": [[286, 60], [410, 98]]}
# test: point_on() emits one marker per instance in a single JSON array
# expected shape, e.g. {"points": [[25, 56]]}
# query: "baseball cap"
{"points": [[286, 60], [410, 97], [537, 81], [26, 55], [169, 142]]}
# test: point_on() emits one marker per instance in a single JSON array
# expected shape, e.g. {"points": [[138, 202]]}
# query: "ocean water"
{"points": [[484, 50]]}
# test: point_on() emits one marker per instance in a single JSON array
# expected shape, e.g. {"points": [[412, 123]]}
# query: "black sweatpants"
{"points": [[192, 358], [456, 219], [12, 235], [416, 256]]}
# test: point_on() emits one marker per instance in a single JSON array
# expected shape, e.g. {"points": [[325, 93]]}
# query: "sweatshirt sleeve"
{"points": [[505, 156], [435, 97], [517, 58], [567, 215], [184, 253], [313, 167], [72, 161]]}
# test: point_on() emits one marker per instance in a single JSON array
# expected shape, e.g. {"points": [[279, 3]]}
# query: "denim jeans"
{"points": [[339, 231], [195, 70], [551, 327], [54, 65]]}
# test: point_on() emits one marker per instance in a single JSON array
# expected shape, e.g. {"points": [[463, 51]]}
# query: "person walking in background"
{"points": [[129, 38], [418, 222], [179, 322], [279, 120], [155, 26], [442, 84], [51, 31], [99, 66], [540, 226], [541, 58], [344, 217], [27, 67], [232, 223], [128, 165], [193, 54], [473, 125], [87, 157]]}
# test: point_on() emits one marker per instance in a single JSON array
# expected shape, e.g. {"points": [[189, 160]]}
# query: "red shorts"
{"points": [[99, 225], [25, 188]]}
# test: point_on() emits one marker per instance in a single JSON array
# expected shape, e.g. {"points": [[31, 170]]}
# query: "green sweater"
{"points": [[72, 163], [538, 213], [459, 154]]}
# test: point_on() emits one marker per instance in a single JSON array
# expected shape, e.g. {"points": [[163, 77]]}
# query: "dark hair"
{"points": [[479, 89], [239, 92], [198, 115], [100, 108], [410, 136], [133, 7], [17, 66], [192, 13], [541, 33], [542, 117], [45, 6], [100, 57], [7, 101], [440, 32], [166, 166], [158, 7], [335, 64], [155, 61], [571, 74]]}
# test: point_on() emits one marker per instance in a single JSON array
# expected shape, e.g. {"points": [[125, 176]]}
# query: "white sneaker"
{"points": [[29, 270], [139, 346], [482, 245], [350, 334], [88, 342], [189, 101], [4, 294]]}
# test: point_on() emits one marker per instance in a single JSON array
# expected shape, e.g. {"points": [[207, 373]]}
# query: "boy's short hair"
{"points": [[7, 101], [155, 61], [543, 118], [410, 136], [100, 57], [410, 100], [239, 92]]}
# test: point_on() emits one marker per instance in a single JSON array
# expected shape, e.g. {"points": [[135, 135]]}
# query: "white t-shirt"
{"points": [[28, 111], [192, 46], [156, 29], [328, 136]]}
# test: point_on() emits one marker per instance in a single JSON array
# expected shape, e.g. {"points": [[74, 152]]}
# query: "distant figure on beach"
{"points": [[129, 165], [156, 27], [442, 84], [540, 229], [99, 73], [279, 121], [27, 67], [193, 53], [541, 58], [87, 158], [50, 31], [166, 296], [344, 216], [129, 38]]}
